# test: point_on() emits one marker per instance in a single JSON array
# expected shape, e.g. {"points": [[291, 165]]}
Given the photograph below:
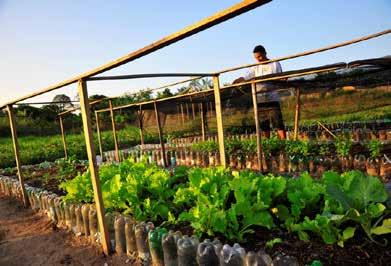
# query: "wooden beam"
{"points": [[182, 114], [64, 142], [257, 127], [219, 17], [116, 149], [297, 114], [151, 75], [89, 139], [15, 143], [99, 134], [159, 128], [219, 120]]}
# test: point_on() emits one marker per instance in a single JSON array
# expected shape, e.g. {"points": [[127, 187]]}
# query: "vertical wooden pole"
{"points": [[99, 135], [257, 127], [187, 111], [116, 150], [159, 128], [140, 124], [219, 119], [193, 109], [297, 114], [203, 118], [15, 143], [183, 115], [64, 142], [88, 135]]}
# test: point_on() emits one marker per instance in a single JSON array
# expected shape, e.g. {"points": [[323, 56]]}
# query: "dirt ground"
{"points": [[27, 238]]}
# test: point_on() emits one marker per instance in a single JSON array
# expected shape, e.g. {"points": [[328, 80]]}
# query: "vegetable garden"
{"points": [[192, 180]]}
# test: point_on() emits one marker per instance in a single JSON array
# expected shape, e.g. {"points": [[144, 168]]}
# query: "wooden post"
{"points": [[257, 127], [64, 142], [116, 150], [183, 115], [99, 135], [193, 109], [203, 122], [88, 135], [159, 128], [297, 114], [187, 111], [219, 120], [140, 124], [15, 143]]}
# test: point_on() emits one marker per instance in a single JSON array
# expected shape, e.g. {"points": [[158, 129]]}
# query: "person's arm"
{"points": [[249, 75]]}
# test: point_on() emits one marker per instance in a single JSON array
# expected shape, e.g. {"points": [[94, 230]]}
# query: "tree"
{"points": [[164, 94], [62, 101]]}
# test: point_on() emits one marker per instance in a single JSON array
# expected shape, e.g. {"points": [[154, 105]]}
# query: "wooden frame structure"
{"points": [[82, 79]]}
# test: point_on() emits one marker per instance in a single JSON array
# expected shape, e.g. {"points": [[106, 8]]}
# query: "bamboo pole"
{"points": [[116, 150], [88, 135], [99, 135], [64, 142], [219, 120], [159, 128], [257, 127], [15, 143], [297, 114]]}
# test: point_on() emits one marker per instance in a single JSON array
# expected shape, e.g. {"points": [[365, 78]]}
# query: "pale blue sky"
{"points": [[45, 42]]}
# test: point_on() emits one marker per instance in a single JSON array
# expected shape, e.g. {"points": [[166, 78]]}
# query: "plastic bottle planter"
{"points": [[52, 213], [109, 217], [131, 246], [169, 245], [258, 259], [232, 256], [187, 251], [78, 229], [155, 238], [120, 240], [205, 159], [93, 223], [284, 260], [346, 163], [173, 161], [206, 254], [86, 224], [212, 161], [141, 232], [233, 161], [72, 216], [385, 168], [198, 160], [382, 134], [359, 162], [373, 166], [67, 213], [335, 164]]}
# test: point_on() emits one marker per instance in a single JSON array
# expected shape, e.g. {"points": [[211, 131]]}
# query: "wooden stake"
{"points": [[15, 143], [116, 150], [297, 114], [140, 124], [257, 127], [99, 135], [203, 122], [219, 120], [63, 137], [183, 115], [163, 151], [88, 135]]}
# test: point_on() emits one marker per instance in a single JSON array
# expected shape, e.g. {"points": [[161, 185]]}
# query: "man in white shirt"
{"points": [[269, 110]]}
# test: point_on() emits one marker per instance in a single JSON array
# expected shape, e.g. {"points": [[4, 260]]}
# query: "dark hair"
{"points": [[259, 49]]}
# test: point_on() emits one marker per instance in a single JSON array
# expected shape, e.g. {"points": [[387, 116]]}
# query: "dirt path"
{"points": [[27, 238]]}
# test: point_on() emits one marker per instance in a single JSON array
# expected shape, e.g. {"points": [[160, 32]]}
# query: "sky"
{"points": [[44, 42]]}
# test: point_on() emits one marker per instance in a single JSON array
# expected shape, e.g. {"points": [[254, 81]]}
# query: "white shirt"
{"points": [[261, 70]]}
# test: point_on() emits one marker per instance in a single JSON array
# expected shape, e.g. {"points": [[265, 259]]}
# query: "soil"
{"points": [[28, 238]]}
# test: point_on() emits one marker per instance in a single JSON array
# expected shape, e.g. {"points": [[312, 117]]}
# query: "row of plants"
{"points": [[219, 202], [34, 150]]}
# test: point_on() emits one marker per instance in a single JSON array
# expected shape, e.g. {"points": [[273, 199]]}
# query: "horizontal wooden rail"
{"points": [[154, 75], [219, 17]]}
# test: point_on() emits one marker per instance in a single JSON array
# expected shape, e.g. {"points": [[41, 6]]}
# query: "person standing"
{"points": [[269, 108]]}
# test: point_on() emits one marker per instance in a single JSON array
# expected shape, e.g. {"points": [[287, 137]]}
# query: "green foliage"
{"points": [[343, 146], [374, 147]]}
